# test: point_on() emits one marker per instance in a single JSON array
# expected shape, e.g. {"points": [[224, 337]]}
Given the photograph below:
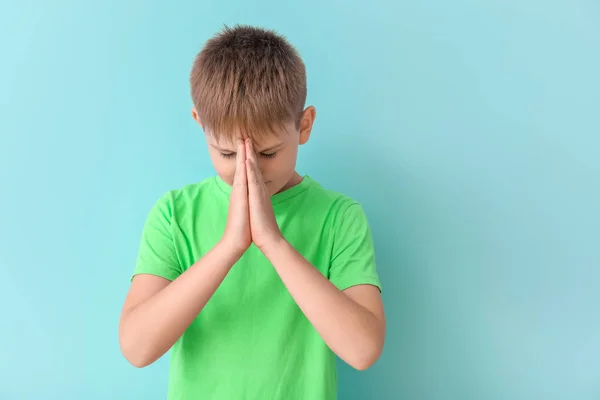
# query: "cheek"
{"points": [[224, 168], [280, 168]]}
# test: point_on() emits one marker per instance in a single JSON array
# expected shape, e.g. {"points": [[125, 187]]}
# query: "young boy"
{"points": [[257, 277]]}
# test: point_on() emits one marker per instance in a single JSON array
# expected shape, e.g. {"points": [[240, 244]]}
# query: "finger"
{"points": [[240, 177], [251, 162], [239, 192], [252, 174], [251, 157], [250, 154], [256, 187]]}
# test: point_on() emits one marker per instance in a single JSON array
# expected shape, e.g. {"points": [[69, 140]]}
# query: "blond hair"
{"points": [[248, 79]]}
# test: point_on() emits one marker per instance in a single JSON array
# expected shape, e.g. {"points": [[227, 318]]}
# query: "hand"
{"points": [[237, 231], [263, 225]]}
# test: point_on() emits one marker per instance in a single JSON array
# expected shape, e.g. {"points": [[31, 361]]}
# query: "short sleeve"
{"points": [[156, 253], [353, 256]]}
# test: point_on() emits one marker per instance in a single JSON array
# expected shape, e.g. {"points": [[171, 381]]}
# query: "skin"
{"points": [[157, 312]]}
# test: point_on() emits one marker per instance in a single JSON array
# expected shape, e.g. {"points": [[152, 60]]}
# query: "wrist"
{"points": [[277, 244], [231, 248]]}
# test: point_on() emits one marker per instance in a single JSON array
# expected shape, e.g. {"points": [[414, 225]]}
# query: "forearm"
{"points": [[351, 331], [150, 329]]}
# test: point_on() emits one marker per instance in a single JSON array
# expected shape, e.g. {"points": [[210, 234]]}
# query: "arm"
{"points": [[157, 311], [352, 322]]}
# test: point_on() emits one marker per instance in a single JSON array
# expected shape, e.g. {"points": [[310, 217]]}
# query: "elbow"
{"points": [[365, 356], [368, 352], [136, 357], [136, 361], [364, 362], [362, 366], [134, 351]]}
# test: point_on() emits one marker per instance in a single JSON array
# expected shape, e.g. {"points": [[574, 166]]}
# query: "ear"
{"points": [[196, 117], [306, 123]]}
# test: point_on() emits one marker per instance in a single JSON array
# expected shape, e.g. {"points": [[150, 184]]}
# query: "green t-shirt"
{"points": [[251, 341]]}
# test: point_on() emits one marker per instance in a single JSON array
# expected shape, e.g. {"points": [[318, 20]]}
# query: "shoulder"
{"points": [[335, 202], [194, 190], [179, 200]]}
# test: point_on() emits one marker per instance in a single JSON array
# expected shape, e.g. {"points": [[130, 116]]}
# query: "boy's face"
{"points": [[276, 154]]}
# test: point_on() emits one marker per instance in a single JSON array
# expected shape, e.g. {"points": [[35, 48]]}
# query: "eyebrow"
{"points": [[272, 148]]}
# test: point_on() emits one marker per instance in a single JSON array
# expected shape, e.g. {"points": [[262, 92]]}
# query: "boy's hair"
{"points": [[248, 78]]}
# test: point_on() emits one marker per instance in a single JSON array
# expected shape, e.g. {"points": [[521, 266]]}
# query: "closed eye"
{"points": [[264, 155]]}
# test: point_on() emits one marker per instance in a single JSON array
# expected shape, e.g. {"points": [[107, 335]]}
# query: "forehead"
{"points": [[225, 142], [261, 141]]}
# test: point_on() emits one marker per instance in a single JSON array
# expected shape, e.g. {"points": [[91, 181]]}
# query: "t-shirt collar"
{"points": [[276, 198]]}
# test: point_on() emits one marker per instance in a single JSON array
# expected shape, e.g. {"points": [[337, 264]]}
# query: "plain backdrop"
{"points": [[469, 130]]}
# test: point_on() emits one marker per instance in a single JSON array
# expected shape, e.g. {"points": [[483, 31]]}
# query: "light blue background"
{"points": [[469, 130]]}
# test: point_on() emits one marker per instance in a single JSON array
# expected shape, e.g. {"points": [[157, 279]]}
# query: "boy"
{"points": [[257, 277]]}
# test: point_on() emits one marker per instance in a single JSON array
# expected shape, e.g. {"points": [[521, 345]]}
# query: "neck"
{"points": [[294, 180]]}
